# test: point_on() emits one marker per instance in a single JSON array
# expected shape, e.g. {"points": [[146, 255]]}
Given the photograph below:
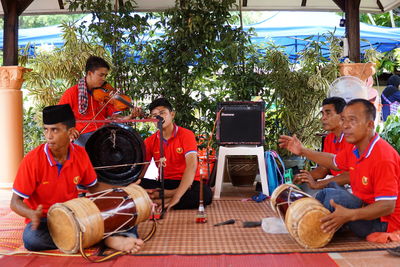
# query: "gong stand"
{"points": [[159, 121]]}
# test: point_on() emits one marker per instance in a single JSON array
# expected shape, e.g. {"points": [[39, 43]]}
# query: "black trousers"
{"points": [[189, 200]]}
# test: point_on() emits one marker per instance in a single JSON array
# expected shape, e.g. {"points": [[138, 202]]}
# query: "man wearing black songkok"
{"points": [[50, 174]]}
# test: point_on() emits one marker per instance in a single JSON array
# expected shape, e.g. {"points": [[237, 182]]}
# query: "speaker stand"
{"points": [[240, 150]]}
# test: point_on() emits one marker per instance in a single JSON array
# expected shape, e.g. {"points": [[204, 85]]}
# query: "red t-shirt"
{"points": [[180, 144], [374, 175], [334, 146], [39, 180], [70, 97]]}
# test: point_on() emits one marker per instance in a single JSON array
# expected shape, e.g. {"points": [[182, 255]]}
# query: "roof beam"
{"points": [[378, 2], [61, 4], [22, 5], [341, 4]]}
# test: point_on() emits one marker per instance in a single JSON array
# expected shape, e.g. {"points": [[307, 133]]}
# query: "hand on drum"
{"points": [[303, 177], [291, 143], [35, 217], [336, 219]]}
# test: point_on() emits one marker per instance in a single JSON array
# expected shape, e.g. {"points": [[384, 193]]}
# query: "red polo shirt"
{"points": [[335, 145], [70, 97], [40, 181], [180, 144], [374, 175]]}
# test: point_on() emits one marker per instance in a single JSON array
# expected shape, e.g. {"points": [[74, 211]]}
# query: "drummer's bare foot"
{"points": [[124, 243]]}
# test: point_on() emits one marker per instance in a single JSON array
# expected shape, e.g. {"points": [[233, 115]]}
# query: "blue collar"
{"points": [[369, 149]]}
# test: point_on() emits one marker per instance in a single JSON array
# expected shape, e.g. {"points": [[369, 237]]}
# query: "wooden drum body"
{"points": [[97, 216], [301, 214]]}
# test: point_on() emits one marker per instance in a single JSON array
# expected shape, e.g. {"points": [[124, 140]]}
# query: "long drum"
{"points": [[97, 216], [302, 215]]}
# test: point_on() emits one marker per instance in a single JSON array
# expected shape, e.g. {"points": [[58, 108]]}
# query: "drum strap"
{"points": [[117, 253]]}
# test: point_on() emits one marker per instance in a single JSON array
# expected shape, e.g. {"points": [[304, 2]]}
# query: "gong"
{"points": [[112, 145]]}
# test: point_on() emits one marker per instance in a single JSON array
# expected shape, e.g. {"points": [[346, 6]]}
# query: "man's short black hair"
{"points": [[93, 63], [370, 109], [338, 102], [160, 102]]}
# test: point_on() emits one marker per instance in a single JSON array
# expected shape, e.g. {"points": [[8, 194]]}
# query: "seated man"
{"points": [[181, 175], [374, 168], [334, 142], [50, 174]]}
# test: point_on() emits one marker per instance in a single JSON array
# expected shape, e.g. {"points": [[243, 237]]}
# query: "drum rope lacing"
{"points": [[102, 196], [289, 201]]}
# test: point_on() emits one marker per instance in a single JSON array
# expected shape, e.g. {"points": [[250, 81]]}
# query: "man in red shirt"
{"points": [[374, 168], [50, 174], [84, 105], [334, 142], [181, 174]]}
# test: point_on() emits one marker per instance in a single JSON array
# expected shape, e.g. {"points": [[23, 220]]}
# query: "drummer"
{"points": [[181, 174], [311, 182], [84, 105], [50, 174], [374, 168]]}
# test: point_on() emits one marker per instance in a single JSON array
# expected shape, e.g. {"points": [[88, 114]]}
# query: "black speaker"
{"points": [[241, 123]]}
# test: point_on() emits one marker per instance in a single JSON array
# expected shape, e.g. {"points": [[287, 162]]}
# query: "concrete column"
{"points": [[11, 120]]}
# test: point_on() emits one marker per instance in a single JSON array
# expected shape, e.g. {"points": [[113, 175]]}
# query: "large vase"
{"points": [[242, 170], [359, 70]]}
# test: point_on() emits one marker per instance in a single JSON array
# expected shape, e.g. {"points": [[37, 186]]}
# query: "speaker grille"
{"points": [[241, 123]]}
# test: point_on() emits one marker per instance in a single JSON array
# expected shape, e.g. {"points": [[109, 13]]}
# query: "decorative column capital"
{"points": [[11, 77]]}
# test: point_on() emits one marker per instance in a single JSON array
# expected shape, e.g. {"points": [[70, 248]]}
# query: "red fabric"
{"points": [[374, 175], [39, 182], [70, 97], [381, 237], [294, 259], [181, 143], [334, 146]]}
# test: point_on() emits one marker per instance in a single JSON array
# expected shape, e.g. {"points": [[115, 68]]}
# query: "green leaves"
{"points": [[391, 130]]}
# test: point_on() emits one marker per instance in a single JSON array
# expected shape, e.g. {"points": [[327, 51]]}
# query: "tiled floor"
{"points": [[349, 259]]}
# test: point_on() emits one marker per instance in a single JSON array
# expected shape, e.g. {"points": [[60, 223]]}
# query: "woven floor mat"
{"points": [[178, 233], [11, 229]]}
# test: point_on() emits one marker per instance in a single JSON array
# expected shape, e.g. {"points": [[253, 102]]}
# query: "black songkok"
{"points": [[57, 113]]}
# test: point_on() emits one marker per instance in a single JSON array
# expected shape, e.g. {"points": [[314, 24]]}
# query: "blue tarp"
{"points": [[288, 29]]}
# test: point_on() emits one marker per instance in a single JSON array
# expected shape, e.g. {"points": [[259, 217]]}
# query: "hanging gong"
{"points": [[116, 144]]}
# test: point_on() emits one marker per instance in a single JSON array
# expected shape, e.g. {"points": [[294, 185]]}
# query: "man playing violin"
{"points": [[181, 175], [50, 174], [85, 105]]}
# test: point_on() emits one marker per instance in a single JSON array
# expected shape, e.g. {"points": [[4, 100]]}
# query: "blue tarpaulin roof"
{"points": [[288, 29]]}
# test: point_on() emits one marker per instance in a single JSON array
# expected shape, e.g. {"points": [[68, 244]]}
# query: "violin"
{"points": [[106, 93]]}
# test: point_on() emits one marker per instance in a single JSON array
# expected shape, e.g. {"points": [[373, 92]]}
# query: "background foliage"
{"points": [[193, 55]]}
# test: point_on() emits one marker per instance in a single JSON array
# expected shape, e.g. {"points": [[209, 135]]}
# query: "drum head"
{"points": [[116, 144], [303, 221]]}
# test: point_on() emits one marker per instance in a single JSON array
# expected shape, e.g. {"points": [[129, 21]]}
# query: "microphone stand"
{"points": [[161, 170]]}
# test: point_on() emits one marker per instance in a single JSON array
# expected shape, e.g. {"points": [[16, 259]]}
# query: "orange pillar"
{"points": [[11, 114]]}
